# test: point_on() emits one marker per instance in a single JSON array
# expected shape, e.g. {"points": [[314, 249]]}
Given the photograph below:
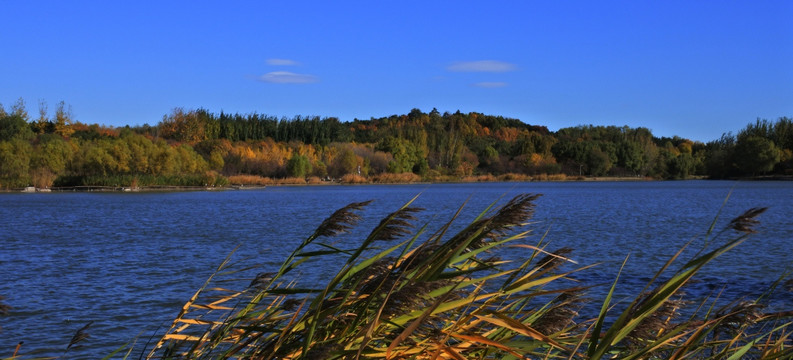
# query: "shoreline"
{"points": [[244, 187]]}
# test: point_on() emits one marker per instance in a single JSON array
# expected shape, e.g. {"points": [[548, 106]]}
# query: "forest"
{"points": [[199, 148]]}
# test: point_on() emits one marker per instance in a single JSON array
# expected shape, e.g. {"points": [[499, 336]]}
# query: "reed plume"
{"points": [[745, 222], [554, 259], [262, 280], [342, 220], [412, 297], [740, 315], [396, 224], [375, 276], [442, 298], [659, 322], [4, 308], [562, 313], [515, 212], [80, 335]]}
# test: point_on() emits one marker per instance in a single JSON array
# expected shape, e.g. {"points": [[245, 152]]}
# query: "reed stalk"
{"points": [[404, 294]]}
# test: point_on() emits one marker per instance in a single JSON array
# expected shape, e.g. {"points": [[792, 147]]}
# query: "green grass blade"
{"points": [[595, 351]]}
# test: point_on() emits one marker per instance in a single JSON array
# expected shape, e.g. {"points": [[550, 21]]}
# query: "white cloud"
{"points": [[286, 77], [482, 66], [282, 62], [491, 84]]}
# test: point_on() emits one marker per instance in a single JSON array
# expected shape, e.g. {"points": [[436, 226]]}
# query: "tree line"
{"points": [[198, 147]]}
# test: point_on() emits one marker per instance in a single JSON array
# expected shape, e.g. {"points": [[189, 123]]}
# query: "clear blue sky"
{"points": [[690, 68]]}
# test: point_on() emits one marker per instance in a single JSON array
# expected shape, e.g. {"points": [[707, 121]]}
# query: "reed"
{"points": [[291, 181], [4, 309], [514, 177], [449, 297], [313, 180], [403, 293], [250, 180], [353, 179], [401, 178], [553, 177], [479, 178]]}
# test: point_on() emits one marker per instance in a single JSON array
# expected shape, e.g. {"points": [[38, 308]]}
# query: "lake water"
{"points": [[129, 261]]}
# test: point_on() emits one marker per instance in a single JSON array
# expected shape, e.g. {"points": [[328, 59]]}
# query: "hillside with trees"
{"points": [[201, 148]]}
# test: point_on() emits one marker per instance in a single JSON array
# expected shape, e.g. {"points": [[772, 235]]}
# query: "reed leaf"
{"points": [[451, 298]]}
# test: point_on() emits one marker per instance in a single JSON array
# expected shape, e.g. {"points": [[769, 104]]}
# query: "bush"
{"points": [[353, 179], [249, 180], [291, 181], [514, 177], [479, 178], [401, 178]]}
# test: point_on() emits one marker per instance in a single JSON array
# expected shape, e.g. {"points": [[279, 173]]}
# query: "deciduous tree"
{"points": [[756, 155]]}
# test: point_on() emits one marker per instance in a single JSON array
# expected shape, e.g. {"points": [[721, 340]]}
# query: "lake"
{"points": [[129, 261]]}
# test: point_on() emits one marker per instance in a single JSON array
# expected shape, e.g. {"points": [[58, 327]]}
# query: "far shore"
{"points": [[292, 182]]}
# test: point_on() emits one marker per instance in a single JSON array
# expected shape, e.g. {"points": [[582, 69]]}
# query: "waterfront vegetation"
{"points": [[394, 296], [199, 148], [400, 292]]}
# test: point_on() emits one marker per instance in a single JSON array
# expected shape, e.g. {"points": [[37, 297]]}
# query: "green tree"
{"points": [[13, 126], [187, 161], [630, 156], [756, 155], [598, 163], [719, 158], [163, 159], [14, 163], [93, 159], [681, 166], [346, 162], [216, 161], [49, 159], [298, 166], [141, 150], [407, 156]]}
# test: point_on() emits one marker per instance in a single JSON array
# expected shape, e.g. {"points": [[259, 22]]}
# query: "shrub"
{"points": [[401, 178], [314, 180], [249, 180], [291, 181], [514, 177], [479, 178], [353, 179]]}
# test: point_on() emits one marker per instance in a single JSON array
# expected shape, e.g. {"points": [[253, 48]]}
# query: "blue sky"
{"points": [[690, 68]]}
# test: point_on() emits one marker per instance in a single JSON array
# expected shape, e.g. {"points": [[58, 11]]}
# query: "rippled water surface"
{"points": [[128, 261]]}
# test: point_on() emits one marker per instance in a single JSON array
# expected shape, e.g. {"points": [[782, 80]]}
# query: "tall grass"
{"points": [[401, 178], [449, 297], [353, 179], [250, 180], [479, 178]]}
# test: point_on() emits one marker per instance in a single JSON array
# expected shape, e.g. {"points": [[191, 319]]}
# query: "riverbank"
{"points": [[129, 262], [249, 182], [163, 188]]}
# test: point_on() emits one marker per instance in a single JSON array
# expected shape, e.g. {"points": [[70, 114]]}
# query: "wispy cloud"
{"points": [[490, 84], [482, 66], [282, 62], [286, 77]]}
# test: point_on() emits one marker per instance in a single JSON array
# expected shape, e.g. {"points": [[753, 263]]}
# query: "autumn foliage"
{"points": [[187, 144]]}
